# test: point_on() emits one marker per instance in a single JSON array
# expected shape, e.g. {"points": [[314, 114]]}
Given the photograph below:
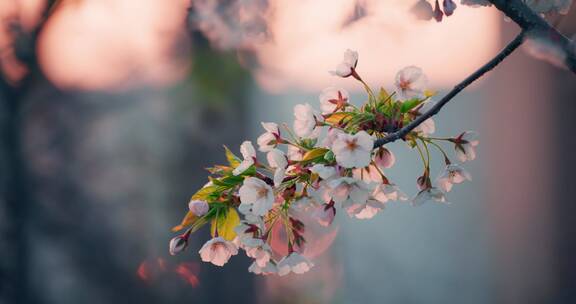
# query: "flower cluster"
{"points": [[327, 161], [422, 9]]}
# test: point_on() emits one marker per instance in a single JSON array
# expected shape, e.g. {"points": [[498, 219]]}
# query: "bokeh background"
{"points": [[110, 110]]}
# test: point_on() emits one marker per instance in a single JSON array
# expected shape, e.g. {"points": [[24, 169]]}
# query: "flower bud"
{"points": [[178, 244], [198, 207], [384, 159], [422, 10], [449, 7], [438, 14]]}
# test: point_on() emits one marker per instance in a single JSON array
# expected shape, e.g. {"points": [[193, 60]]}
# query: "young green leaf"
{"points": [[233, 160], [225, 223], [410, 104]]}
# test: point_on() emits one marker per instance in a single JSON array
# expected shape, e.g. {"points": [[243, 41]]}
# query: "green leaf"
{"points": [[228, 181], [329, 156], [225, 224], [233, 160], [338, 117], [383, 95], [209, 193], [410, 104], [313, 154]]}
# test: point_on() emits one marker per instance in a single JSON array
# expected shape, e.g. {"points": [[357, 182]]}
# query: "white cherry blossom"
{"points": [[218, 251], [258, 250], [427, 127], [256, 195], [277, 161], [333, 99], [347, 190], [429, 194], [465, 146], [247, 228], [346, 67], [295, 263], [268, 140], [331, 138], [353, 151], [198, 207], [368, 174], [410, 82], [366, 210], [266, 270], [295, 153], [388, 192], [249, 154], [452, 174], [324, 214], [305, 121], [325, 172]]}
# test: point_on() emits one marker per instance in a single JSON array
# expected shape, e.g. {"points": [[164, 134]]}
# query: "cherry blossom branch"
{"points": [[534, 25], [511, 47]]}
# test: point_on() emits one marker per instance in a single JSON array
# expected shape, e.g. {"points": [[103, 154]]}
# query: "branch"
{"points": [[534, 25], [513, 45]]}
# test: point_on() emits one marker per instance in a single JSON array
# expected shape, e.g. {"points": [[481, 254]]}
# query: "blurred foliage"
{"points": [[218, 77]]}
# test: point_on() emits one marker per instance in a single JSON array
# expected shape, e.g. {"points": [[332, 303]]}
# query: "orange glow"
{"points": [[143, 271], [309, 38], [111, 44], [188, 271], [153, 270], [318, 238]]}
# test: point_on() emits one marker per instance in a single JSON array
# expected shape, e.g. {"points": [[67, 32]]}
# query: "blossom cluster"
{"points": [[326, 162], [422, 9]]}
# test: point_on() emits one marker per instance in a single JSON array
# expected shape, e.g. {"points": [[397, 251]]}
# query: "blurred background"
{"points": [[111, 109]]}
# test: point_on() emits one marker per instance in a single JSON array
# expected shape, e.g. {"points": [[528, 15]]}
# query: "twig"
{"points": [[534, 25], [513, 45]]}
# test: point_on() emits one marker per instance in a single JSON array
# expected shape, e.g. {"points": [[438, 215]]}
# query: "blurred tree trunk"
{"points": [[75, 230], [16, 200]]}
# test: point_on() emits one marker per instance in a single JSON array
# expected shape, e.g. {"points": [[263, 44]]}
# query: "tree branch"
{"points": [[534, 25], [513, 45]]}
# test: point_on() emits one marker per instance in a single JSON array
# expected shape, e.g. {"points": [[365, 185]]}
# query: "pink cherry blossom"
{"points": [[353, 151], [346, 67], [410, 82], [452, 174], [218, 251], [249, 154], [333, 99], [294, 263], [256, 195]]}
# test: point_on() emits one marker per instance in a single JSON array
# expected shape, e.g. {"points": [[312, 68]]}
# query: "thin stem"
{"points": [[292, 135], [447, 160], [421, 155], [427, 151], [511, 47]]}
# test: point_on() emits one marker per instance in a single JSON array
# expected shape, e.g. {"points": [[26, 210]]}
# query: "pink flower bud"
{"points": [[178, 244], [199, 208], [449, 7], [422, 10], [438, 12], [384, 159]]}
